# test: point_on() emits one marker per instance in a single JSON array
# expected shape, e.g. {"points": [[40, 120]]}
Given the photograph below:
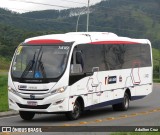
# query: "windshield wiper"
{"points": [[41, 66], [29, 66]]}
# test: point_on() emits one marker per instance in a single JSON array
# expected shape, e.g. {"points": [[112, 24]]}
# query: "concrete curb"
{"points": [[8, 113]]}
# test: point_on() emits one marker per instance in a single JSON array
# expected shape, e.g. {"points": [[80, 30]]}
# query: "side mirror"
{"points": [[15, 48], [76, 68]]}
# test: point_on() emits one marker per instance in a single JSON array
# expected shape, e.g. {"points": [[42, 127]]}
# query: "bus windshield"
{"points": [[39, 62]]}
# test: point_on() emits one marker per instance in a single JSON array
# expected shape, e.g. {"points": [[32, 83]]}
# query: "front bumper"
{"points": [[49, 104]]}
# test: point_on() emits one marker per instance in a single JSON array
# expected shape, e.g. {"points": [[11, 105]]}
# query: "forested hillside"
{"points": [[131, 18]]}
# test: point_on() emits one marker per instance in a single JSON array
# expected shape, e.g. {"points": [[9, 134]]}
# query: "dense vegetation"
{"points": [[131, 18], [3, 93]]}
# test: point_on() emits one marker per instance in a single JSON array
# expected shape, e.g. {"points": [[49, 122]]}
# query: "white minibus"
{"points": [[73, 72]]}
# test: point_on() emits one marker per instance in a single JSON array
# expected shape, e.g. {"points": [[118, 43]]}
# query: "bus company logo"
{"points": [[32, 96], [112, 79]]}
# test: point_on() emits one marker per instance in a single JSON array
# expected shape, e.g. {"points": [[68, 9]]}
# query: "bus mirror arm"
{"points": [[15, 48]]}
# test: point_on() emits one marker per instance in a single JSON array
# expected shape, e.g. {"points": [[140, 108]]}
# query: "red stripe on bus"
{"points": [[45, 41], [114, 42]]}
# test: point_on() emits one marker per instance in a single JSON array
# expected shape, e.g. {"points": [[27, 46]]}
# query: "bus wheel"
{"points": [[122, 106], [75, 114], [26, 115]]}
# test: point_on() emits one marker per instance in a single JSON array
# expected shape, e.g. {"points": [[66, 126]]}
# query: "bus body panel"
{"points": [[98, 88]]}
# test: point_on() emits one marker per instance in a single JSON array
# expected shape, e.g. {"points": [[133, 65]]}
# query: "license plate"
{"points": [[32, 103]]}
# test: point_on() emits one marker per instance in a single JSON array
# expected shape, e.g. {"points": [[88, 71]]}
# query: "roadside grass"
{"points": [[3, 93], [156, 80], [135, 133]]}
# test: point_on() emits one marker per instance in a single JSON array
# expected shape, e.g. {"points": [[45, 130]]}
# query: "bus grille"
{"points": [[38, 91]]}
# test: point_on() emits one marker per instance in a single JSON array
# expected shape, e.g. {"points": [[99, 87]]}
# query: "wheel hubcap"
{"points": [[76, 110]]}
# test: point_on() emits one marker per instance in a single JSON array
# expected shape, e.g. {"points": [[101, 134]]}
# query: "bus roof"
{"points": [[84, 37]]}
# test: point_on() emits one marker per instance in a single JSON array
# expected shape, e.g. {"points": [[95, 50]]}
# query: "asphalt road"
{"points": [[143, 112]]}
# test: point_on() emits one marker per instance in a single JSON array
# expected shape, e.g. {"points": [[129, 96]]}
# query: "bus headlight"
{"points": [[60, 90]]}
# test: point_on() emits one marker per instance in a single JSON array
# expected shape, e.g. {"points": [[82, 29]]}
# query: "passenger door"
{"points": [[94, 87]]}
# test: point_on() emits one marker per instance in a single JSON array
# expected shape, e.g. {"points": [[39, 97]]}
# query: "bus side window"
{"points": [[79, 59], [77, 62]]}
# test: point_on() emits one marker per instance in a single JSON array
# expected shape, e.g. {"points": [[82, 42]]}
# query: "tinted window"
{"points": [[127, 56], [145, 55], [112, 57], [93, 56]]}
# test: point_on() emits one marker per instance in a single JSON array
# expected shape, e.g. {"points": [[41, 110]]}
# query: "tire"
{"points": [[122, 106], [26, 115], [75, 114]]}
